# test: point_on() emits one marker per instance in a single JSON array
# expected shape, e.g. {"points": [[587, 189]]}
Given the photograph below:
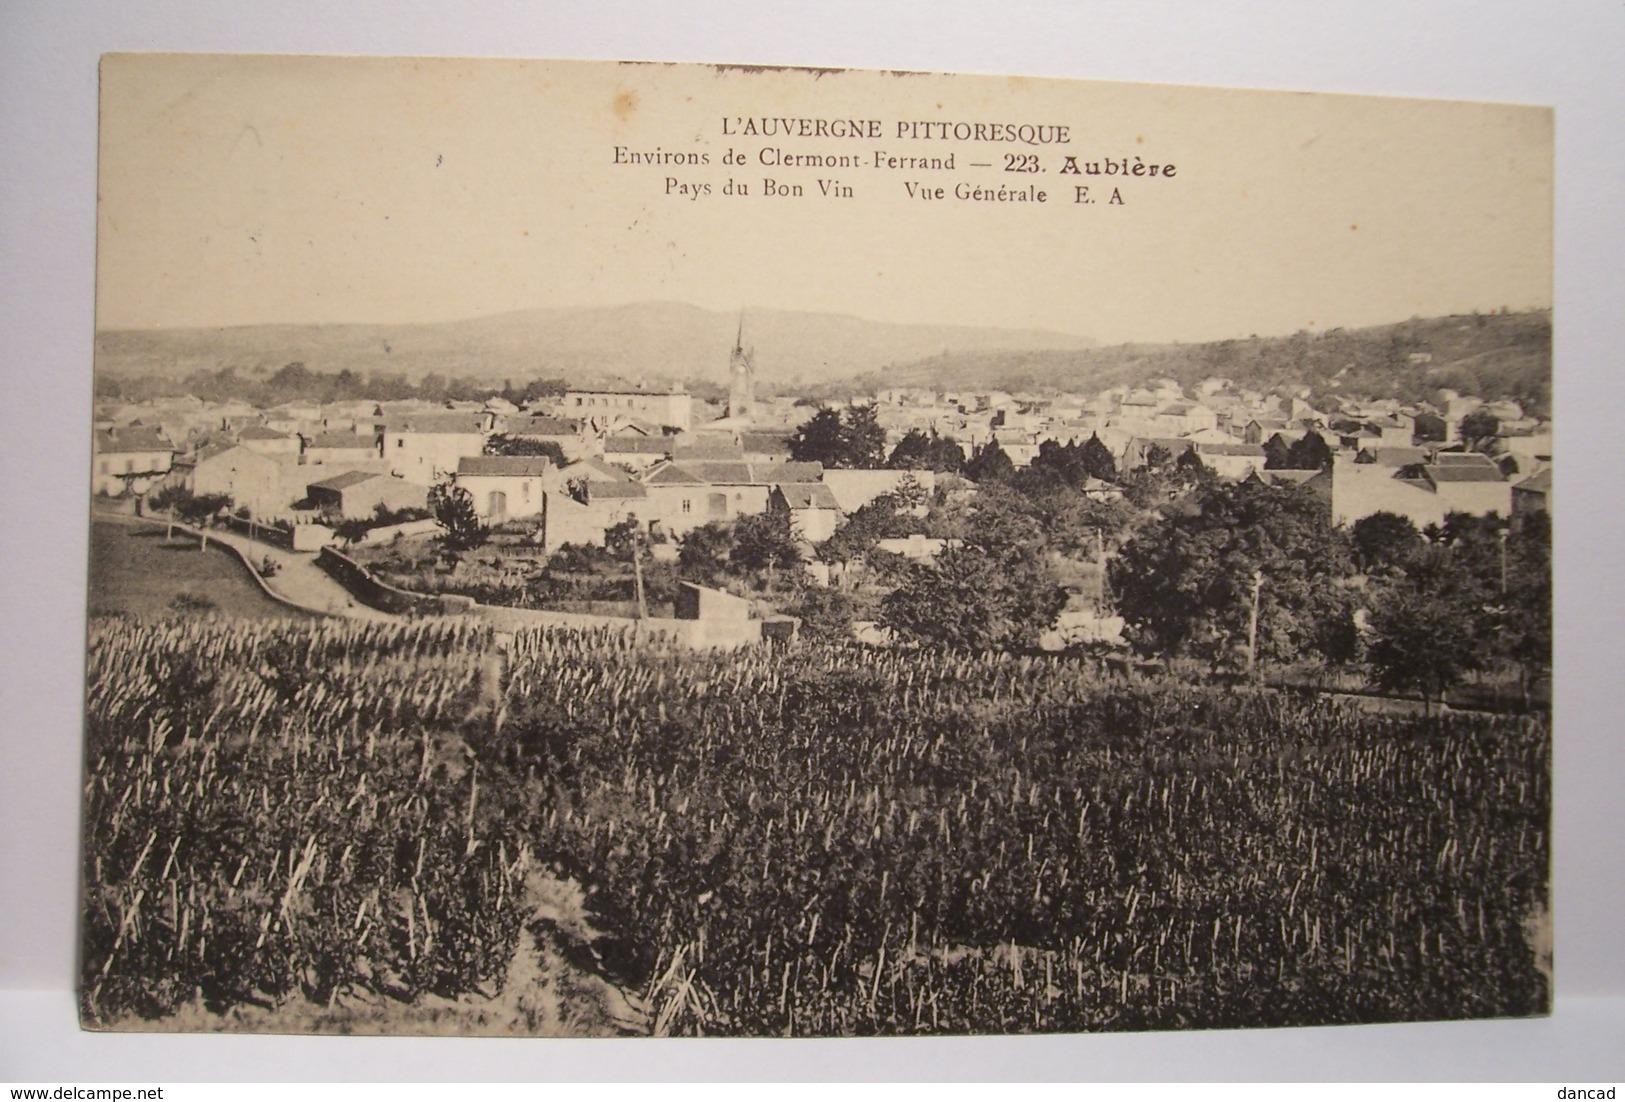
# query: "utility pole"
{"points": [[1252, 624], [1100, 580], [637, 569]]}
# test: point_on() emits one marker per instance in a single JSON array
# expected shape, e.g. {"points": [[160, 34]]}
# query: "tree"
{"points": [[1185, 582], [167, 500], [820, 439], [825, 613], [1157, 457], [870, 523], [990, 464], [1190, 463], [1480, 431], [763, 543], [1384, 541], [177, 502], [1525, 636], [452, 507], [621, 540], [1336, 634], [1277, 453], [703, 554], [919, 452], [1421, 640], [975, 598], [1309, 453], [863, 438], [844, 440], [199, 509], [1098, 460]]}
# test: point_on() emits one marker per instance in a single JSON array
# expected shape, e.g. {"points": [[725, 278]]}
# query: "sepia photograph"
{"points": [[609, 549]]}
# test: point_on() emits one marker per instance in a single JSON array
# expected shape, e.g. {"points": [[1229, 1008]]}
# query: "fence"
{"points": [[265, 532]]}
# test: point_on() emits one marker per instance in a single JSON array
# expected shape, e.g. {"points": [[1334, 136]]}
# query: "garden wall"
{"points": [[374, 593]]}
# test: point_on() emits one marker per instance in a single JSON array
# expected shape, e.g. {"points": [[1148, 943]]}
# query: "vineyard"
{"points": [[807, 841]]}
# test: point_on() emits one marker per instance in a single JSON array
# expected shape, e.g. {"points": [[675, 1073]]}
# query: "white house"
{"points": [[129, 460], [506, 487], [426, 448]]}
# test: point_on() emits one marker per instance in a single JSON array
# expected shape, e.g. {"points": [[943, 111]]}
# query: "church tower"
{"points": [[741, 376]]}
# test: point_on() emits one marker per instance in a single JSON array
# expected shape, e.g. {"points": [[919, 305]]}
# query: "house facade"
{"points": [[426, 448], [813, 511], [129, 461], [250, 479], [668, 408], [506, 487]]}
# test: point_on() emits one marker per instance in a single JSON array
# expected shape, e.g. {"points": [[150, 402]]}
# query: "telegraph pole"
{"points": [[1252, 624], [637, 569]]}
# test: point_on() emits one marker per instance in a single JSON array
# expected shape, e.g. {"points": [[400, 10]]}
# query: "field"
{"points": [[134, 571], [812, 841]]}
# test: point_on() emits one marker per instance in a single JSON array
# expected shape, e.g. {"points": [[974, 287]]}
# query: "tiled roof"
{"points": [[615, 490], [347, 441], [505, 466], [132, 440], [543, 426], [344, 481], [787, 472], [760, 443], [1538, 483], [670, 474], [638, 445], [1462, 459], [1296, 478], [260, 432], [737, 472], [1463, 473], [594, 471], [712, 453], [803, 495], [460, 423], [1230, 449], [1397, 456]]}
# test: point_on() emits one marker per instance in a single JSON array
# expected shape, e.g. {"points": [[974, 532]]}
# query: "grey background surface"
{"points": [[1504, 50]]}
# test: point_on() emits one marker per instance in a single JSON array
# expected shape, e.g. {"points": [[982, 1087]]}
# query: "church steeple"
{"points": [[741, 375]]}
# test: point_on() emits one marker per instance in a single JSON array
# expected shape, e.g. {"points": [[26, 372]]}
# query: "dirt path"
{"points": [[300, 580]]}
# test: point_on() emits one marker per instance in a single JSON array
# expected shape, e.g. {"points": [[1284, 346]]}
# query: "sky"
{"points": [[249, 190]]}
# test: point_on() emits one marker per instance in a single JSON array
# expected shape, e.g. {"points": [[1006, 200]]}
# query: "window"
{"points": [[688, 505]]}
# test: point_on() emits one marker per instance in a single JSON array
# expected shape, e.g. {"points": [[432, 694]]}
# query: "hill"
{"points": [[659, 341], [1490, 355]]}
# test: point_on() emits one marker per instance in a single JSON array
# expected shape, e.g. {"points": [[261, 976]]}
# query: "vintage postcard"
{"points": [[592, 549]]}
